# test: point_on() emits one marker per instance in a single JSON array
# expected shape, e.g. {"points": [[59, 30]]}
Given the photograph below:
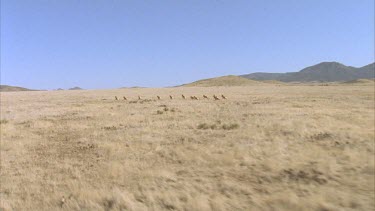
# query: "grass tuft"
{"points": [[230, 126], [159, 112], [3, 121]]}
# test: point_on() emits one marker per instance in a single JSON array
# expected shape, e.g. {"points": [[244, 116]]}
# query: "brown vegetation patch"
{"points": [[303, 176], [218, 125], [3, 121], [321, 136]]}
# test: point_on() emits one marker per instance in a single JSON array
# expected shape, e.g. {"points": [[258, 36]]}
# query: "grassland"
{"points": [[267, 147]]}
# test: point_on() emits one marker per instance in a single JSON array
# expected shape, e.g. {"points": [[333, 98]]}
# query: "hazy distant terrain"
{"points": [[267, 147], [6, 88], [76, 88], [323, 72]]}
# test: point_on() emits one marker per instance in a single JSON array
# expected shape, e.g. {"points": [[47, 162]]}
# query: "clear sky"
{"points": [[96, 44]]}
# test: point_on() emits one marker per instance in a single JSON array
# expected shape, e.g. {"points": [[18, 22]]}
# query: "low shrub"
{"points": [[230, 126]]}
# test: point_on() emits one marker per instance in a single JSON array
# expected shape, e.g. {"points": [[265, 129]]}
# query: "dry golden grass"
{"points": [[265, 148]]}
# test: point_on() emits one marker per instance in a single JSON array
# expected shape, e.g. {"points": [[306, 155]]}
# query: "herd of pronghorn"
{"points": [[183, 97]]}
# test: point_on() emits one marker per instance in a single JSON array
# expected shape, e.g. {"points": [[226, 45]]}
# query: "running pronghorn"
{"points": [[223, 97], [170, 96], [125, 98], [116, 98], [216, 98], [158, 97], [139, 97], [205, 97], [192, 97], [183, 96]]}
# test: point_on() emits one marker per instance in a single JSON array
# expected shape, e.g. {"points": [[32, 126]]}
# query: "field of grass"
{"points": [[264, 148]]}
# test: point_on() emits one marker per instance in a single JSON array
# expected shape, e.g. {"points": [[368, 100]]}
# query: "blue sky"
{"points": [[97, 44]]}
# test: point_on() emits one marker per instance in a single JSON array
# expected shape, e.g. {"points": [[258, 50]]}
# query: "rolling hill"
{"points": [[229, 80], [6, 88], [75, 88], [322, 72]]}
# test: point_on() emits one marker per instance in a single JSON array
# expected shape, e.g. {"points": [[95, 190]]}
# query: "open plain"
{"points": [[267, 147]]}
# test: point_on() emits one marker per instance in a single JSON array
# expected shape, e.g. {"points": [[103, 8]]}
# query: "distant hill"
{"points": [[361, 82], [6, 88], [133, 87], [322, 72], [230, 80], [76, 88]]}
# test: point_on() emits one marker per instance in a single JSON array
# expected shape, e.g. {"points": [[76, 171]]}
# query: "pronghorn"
{"points": [[216, 98], [183, 96], [205, 97], [116, 98], [223, 97], [139, 97], [195, 98], [125, 98], [158, 97], [192, 97], [170, 96]]}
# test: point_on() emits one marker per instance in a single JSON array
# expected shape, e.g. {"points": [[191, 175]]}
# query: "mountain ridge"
{"points": [[322, 72]]}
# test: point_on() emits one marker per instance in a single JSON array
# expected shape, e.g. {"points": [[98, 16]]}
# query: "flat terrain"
{"points": [[268, 147]]}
